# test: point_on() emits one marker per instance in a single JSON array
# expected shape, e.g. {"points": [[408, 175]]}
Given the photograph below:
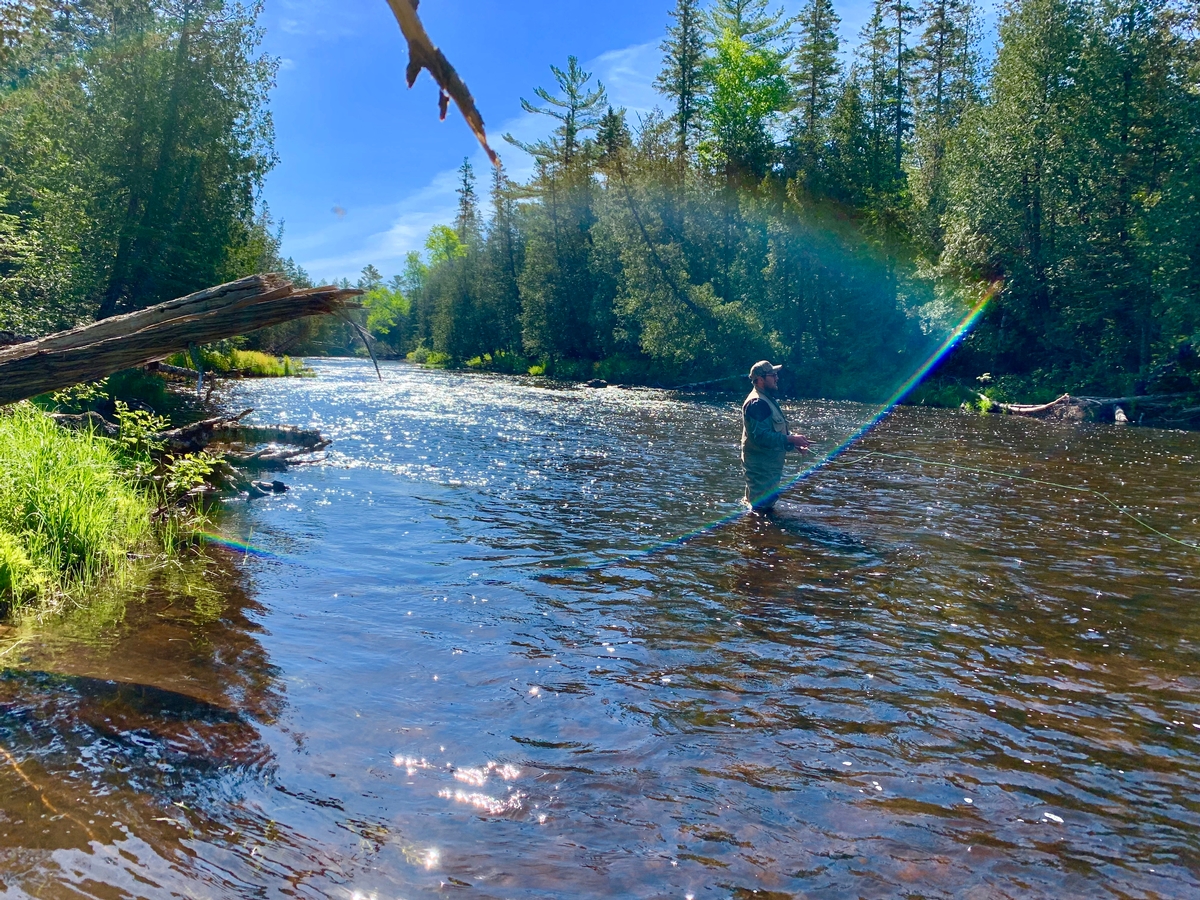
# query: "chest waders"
{"points": [[764, 467]]}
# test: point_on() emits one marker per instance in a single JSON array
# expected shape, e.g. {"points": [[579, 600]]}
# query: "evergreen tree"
{"points": [[503, 262], [1012, 182], [681, 78], [885, 58], [946, 67], [578, 111], [750, 20], [814, 78]]}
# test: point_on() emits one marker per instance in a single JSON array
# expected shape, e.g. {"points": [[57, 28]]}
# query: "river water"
{"points": [[440, 667]]}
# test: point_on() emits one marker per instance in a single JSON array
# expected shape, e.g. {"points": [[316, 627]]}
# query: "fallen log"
{"points": [[135, 339], [1066, 408], [229, 430]]}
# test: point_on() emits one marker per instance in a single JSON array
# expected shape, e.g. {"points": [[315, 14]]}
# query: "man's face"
{"points": [[768, 383]]}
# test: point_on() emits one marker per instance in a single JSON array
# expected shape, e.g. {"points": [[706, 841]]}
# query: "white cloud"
{"points": [[629, 75], [388, 232], [321, 19]]}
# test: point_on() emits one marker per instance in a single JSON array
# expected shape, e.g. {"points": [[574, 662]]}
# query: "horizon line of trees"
{"points": [[839, 215], [834, 211]]}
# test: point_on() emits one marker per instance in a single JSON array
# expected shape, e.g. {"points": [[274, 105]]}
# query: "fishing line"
{"points": [[1011, 476]]}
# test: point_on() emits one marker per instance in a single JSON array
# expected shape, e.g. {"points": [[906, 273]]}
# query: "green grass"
{"points": [[250, 363], [69, 513]]}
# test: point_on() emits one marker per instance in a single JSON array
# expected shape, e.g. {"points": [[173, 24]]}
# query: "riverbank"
{"points": [[985, 394], [90, 487], [238, 363], [71, 510]]}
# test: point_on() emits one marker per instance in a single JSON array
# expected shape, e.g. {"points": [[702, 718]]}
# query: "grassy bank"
{"points": [[247, 363], [70, 510]]}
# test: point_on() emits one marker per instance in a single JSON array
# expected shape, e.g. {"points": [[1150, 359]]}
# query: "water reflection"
{"points": [[919, 682]]}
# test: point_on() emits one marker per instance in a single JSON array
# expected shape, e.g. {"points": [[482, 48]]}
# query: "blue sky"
{"points": [[365, 166]]}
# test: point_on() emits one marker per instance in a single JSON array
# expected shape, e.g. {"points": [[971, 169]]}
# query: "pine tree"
{"points": [[681, 78], [502, 266], [886, 58], [946, 62], [814, 78], [578, 111], [946, 67], [749, 20], [466, 223]]}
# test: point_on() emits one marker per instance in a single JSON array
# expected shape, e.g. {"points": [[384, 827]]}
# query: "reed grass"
{"points": [[250, 363], [69, 513]]}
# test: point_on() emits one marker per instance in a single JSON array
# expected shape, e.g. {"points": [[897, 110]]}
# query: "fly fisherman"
{"points": [[765, 438]]}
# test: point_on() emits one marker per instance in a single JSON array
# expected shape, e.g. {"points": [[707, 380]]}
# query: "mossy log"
{"points": [[135, 339]]}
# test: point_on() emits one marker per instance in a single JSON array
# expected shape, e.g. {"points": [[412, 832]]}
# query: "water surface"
{"points": [[925, 682]]}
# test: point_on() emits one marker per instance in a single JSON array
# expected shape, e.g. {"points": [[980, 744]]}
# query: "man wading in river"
{"points": [[765, 438]]}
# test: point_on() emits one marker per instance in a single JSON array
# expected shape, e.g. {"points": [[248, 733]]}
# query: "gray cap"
{"points": [[762, 369]]}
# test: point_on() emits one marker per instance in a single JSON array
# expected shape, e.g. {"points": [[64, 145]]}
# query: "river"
{"points": [[441, 667]]}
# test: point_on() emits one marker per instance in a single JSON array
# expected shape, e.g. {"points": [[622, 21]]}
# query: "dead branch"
{"points": [[135, 339], [90, 420], [422, 54]]}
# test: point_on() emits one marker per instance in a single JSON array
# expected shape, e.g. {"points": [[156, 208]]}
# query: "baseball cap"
{"points": [[762, 369]]}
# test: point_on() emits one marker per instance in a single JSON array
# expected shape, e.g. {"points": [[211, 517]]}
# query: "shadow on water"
{"points": [[131, 731]]}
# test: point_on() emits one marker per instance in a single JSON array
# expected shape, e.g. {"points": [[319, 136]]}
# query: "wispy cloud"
{"points": [[629, 75], [320, 19]]}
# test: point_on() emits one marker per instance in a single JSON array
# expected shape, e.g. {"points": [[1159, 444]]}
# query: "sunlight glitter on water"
{"points": [[314, 709]]}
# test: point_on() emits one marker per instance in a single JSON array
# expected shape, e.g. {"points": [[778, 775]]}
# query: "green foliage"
{"points": [[80, 397], [134, 139], [68, 515], [444, 245], [184, 473], [137, 436], [235, 361], [20, 579], [747, 88]]}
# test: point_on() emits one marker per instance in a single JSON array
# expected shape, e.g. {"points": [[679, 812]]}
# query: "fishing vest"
{"points": [[778, 421]]}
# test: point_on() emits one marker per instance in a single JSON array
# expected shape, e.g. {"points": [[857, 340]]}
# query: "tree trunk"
{"points": [[135, 339]]}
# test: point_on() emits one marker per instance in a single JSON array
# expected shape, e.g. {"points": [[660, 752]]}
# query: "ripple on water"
{"points": [[919, 681]]}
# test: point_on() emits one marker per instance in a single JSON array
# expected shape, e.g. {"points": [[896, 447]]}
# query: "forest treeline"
{"points": [[832, 207], [836, 211], [134, 138]]}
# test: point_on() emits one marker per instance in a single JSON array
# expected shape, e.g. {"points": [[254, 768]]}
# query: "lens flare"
{"points": [[957, 333], [235, 546]]}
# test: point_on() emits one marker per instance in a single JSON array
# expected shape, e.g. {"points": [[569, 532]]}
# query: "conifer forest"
{"points": [[829, 201]]}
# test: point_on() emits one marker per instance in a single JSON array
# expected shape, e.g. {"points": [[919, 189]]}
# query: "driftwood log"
{"points": [[230, 433], [1160, 408], [138, 338]]}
